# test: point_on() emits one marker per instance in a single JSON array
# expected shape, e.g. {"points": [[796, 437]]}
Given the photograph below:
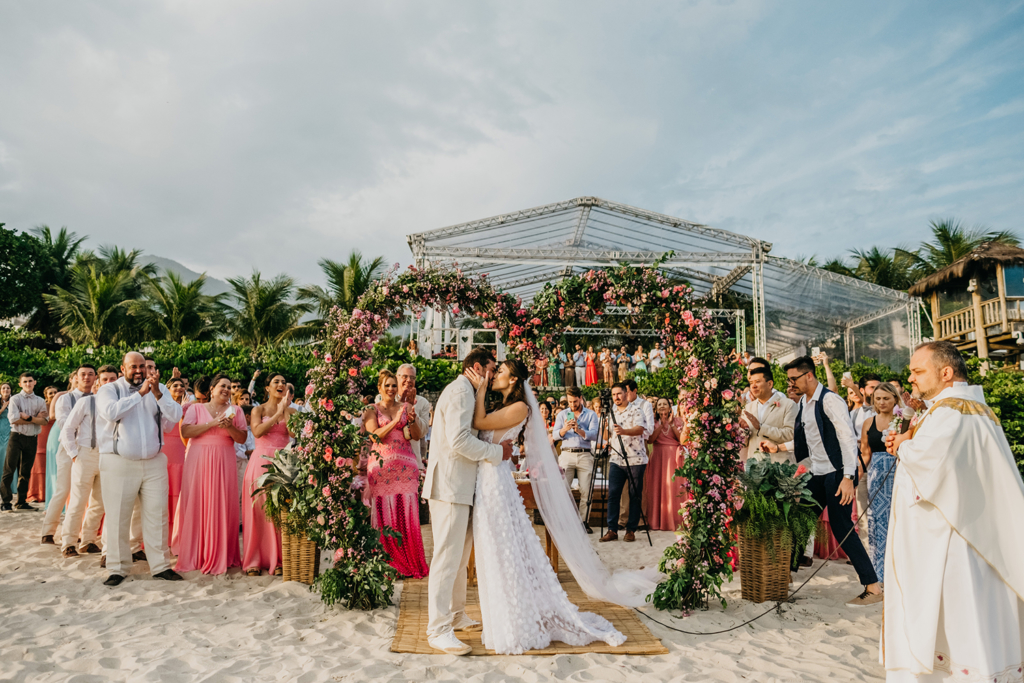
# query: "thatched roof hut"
{"points": [[981, 260]]}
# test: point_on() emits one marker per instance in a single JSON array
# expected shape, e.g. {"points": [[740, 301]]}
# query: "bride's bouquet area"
{"points": [[326, 501]]}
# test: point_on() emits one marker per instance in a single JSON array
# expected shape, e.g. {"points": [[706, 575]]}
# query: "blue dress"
{"points": [[638, 359], [5, 436], [880, 495], [52, 443]]}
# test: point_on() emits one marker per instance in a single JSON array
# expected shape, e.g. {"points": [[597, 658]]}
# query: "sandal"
{"points": [[278, 572], [252, 572]]}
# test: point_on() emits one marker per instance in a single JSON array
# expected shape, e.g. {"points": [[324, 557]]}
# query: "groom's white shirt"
{"points": [[455, 451]]}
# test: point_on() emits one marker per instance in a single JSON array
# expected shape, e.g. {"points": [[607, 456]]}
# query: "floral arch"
{"points": [[329, 502]]}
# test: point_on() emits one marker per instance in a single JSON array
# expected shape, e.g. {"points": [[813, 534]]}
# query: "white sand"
{"points": [[59, 623]]}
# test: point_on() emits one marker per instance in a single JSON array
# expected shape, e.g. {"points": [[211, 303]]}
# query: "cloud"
{"points": [[231, 135]]}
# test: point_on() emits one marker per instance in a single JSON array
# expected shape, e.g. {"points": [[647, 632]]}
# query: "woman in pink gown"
{"points": [[174, 449], [206, 530], [394, 478], [261, 539], [663, 492]]}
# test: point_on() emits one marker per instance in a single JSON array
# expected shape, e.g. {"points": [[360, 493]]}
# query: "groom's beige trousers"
{"points": [[446, 584]]}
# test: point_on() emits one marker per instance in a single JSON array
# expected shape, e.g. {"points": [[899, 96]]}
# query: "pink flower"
{"points": [[800, 471], [353, 372], [350, 341], [405, 289], [320, 520], [535, 321], [356, 313], [329, 358], [311, 480], [327, 490], [338, 554], [307, 429], [309, 390], [328, 454], [384, 291], [727, 394], [358, 482], [329, 405], [455, 311]]}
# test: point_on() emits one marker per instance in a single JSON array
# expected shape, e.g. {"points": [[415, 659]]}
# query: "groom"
{"points": [[450, 484]]}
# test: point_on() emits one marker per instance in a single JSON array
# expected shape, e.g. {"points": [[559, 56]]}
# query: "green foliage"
{"points": [[1004, 393], [776, 503], [346, 283], [175, 310], [62, 249], [368, 586], [263, 312], [23, 261], [432, 375]]}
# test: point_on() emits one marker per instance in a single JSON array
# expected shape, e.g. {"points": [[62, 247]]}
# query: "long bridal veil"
{"points": [[562, 520]]}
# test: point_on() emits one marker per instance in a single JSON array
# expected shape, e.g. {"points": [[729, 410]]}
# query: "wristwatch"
{"points": [[848, 476]]}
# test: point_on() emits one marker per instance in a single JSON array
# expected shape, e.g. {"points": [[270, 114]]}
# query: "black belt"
{"points": [[575, 450]]}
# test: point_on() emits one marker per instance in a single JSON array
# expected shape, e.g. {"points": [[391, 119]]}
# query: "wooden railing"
{"points": [[961, 322]]}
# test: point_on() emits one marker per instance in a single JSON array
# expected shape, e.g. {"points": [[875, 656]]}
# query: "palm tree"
{"points": [[175, 311], [264, 312], [62, 249], [94, 308], [952, 241], [895, 270], [346, 282]]}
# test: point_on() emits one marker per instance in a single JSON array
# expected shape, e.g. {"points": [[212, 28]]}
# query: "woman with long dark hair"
{"points": [[206, 530], [522, 604]]}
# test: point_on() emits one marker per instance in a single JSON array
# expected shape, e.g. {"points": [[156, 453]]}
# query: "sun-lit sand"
{"points": [[59, 623]]}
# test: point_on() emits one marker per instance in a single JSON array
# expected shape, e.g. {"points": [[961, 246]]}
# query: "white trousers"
{"points": [[581, 377], [122, 482], [446, 584], [579, 466], [85, 489], [61, 489]]}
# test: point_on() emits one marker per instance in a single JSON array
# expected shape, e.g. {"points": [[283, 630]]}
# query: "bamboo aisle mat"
{"points": [[411, 632]]}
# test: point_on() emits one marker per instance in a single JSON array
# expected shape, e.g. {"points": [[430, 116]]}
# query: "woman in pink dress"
{"points": [[394, 478], [261, 539], [174, 449], [663, 492], [591, 376], [206, 530]]}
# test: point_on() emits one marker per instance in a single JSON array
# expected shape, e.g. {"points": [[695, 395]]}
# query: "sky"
{"points": [[231, 135]]}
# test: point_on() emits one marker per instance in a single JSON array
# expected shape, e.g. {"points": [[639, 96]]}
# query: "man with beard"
{"points": [[132, 415]]}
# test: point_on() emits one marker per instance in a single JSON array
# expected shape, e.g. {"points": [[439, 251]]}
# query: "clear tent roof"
{"points": [[522, 250]]}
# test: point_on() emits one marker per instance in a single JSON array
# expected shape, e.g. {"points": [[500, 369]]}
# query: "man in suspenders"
{"points": [[85, 377], [78, 440], [133, 413]]}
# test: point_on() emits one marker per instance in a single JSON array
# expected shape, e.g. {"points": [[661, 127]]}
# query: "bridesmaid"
{"points": [[591, 376], [623, 364], [5, 425], [206, 531], [53, 440], [639, 360], [662, 491], [554, 369], [37, 478], [261, 539], [174, 449], [394, 478]]}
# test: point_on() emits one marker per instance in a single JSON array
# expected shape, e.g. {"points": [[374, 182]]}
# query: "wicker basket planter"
{"points": [[300, 557], [763, 578]]}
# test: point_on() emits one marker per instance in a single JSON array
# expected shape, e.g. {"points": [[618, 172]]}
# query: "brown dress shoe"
{"points": [[610, 536], [48, 540], [630, 537], [139, 556], [70, 551], [91, 549], [103, 561]]}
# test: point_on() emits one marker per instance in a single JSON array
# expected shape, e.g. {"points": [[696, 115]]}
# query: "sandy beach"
{"points": [[59, 623]]}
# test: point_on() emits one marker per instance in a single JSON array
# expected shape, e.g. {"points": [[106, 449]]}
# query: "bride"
{"points": [[522, 603]]}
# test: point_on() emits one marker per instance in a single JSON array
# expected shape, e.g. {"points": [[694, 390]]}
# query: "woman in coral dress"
{"points": [[662, 491], [206, 530], [591, 377], [174, 449], [261, 539], [394, 478]]}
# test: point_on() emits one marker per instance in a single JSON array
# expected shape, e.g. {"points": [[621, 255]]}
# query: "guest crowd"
{"points": [[167, 471]]}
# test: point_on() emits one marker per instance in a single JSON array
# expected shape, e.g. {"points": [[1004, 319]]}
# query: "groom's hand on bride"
{"points": [[506, 450], [474, 377]]}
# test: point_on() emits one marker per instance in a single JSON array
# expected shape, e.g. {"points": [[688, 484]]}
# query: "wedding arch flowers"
{"points": [[330, 503]]}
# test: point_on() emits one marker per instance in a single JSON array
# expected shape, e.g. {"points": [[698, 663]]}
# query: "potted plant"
{"points": [[300, 558], [777, 515]]}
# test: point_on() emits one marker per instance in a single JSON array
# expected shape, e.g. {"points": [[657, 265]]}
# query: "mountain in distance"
{"points": [[212, 287]]}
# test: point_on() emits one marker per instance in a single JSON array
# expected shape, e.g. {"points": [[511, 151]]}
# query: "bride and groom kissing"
{"points": [[474, 499]]}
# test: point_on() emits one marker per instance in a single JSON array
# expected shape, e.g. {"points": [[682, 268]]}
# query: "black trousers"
{"points": [[618, 480], [21, 455], [824, 488]]}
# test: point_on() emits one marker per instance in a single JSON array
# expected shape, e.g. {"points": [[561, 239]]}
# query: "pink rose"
{"points": [[350, 341], [328, 452], [327, 490], [455, 311], [727, 394], [535, 321], [329, 405], [320, 520], [405, 289], [307, 429], [329, 358], [338, 554], [309, 390], [384, 291], [353, 372]]}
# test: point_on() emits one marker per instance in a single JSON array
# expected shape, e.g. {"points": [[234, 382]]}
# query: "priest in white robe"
{"points": [[954, 563]]}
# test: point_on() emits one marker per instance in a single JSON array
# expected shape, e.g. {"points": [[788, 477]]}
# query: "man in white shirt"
{"points": [[576, 435], [407, 394], [84, 379], [628, 431], [79, 440], [27, 414], [824, 435], [647, 414], [132, 415]]}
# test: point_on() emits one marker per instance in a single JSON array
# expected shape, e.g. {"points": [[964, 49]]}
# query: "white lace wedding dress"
{"points": [[522, 603]]}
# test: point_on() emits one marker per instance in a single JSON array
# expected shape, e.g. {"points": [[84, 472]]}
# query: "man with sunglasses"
{"points": [[824, 435]]}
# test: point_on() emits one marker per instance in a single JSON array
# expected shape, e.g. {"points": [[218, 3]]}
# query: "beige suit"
{"points": [[450, 484], [776, 426]]}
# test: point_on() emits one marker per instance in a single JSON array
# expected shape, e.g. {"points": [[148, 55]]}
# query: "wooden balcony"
{"points": [[1000, 318]]}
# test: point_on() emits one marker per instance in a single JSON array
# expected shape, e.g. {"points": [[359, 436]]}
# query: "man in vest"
{"points": [[78, 440], [823, 437], [132, 415]]}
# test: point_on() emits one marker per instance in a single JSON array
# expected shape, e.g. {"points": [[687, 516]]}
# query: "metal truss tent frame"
{"points": [[792, 302]]}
